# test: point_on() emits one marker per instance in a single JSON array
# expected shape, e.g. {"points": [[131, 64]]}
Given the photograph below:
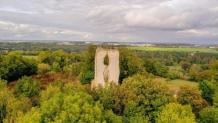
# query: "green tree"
{"points": [[28, 87], [86, 77], [14, 66], [156, 68], [144, 96], [87, 70], [209, 115], [55, 67], [10, 106], [110, 117], [112, 98], [43, 68], [176, 113], [73, 69], [207, 90], [66, 103], [130, 63]]}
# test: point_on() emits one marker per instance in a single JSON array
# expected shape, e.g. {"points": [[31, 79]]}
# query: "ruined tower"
{"points": [[106, 73]]}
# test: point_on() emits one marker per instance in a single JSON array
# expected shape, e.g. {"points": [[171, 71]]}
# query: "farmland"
{"points": [[175, 49]]}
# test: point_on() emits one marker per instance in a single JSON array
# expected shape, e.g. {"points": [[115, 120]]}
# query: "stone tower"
{"points": [[106, 72]]}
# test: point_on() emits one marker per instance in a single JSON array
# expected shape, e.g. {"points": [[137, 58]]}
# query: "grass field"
{"points": [[174, 85], [182, 49], [30, 56], [177, 82]]}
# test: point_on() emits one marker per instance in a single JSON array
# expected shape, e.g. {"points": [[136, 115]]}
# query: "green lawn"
{"points": [[202, 50], [175, 84], [179, 83], [30, 56]]}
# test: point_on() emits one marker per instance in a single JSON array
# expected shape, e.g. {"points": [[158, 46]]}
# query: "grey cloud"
{"points": [[123, 20]]}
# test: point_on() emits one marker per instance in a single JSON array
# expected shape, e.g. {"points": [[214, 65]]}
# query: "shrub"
{"points": [[207, 90], [86, 77], [209, 115], [66, 105], [43, 68], [55, 67], [191, 96], [28, 87], [144, 96], [137, 97], [176, 113], [15, 66], [72, 69]]}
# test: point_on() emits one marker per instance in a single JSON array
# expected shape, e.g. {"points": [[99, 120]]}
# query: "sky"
{"points": [[176, 21]]}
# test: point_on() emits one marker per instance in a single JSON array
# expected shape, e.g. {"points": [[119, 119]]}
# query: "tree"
{"points": [[176, 113], [112, 98], [144, 96], [191, 96], [66, 103], [130, 64], [86, 77], [194, 72], [3, 98], [156, 68], [73, 69], [14, 66], [207, 90], [10, 106], [43, 68], [209, 115], [56, 67], [185, 65], [87, 70], [27, 87], [110, 117]]}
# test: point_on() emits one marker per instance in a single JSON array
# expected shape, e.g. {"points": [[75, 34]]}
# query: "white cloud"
{"points": [[123, 20], [26, 29]]}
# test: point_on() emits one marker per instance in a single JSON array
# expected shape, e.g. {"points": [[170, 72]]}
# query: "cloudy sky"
{"points": [[178, 21]]}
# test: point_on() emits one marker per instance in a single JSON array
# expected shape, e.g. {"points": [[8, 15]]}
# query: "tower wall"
{"points": [[112, 69]]}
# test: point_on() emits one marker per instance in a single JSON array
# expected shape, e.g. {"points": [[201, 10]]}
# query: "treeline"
{"points": [[140, 97]]}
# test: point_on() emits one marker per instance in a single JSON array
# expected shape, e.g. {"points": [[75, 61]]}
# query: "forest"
{"points": [[53, 86]]}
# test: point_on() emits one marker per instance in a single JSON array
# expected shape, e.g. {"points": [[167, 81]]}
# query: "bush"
{"points": [[86, 77], [207, 90], [66, 104], [209, 115], [27, 87], [144, 96], [10, 106], [87, 67], [55, 67], [15, 66], [191, 96], [3, 84], [72, 69], [137, 97], [43, 68], [130, 63], [155, 68], [176, 113]]}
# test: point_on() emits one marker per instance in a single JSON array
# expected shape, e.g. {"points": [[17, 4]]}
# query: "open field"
{"points": [[175, 85], [178, 82], [176, 49]]}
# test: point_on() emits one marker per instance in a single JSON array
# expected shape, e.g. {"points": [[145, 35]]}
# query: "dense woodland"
{"points": [[53, 86]]}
